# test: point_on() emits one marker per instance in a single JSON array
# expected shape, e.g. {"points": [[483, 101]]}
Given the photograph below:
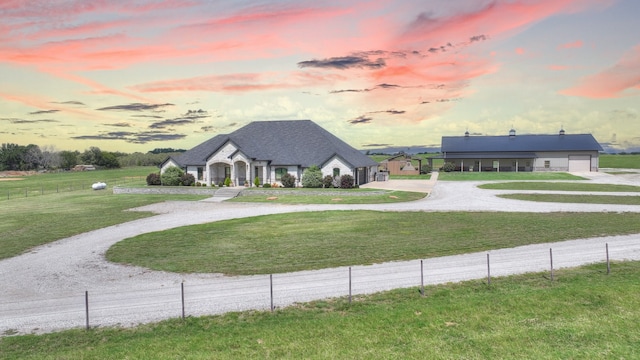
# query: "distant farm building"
{"points": [[560, 152], [401, 164]]}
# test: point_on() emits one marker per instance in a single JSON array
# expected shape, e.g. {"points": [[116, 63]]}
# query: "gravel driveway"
{"points": [[46, 289]]}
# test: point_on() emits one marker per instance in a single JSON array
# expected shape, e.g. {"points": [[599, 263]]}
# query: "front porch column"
{"points": [[461, 165]]}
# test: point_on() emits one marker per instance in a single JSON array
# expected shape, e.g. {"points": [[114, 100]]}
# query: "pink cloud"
{"points": [[558, 67], [611, 82], [519, 51], [230, 83], [572, 45]]}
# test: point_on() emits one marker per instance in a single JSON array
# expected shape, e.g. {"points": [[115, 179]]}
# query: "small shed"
{"points": [[401, 164]]}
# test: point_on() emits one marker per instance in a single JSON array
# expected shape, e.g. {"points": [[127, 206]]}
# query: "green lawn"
{"points": [[491, 176], [578, 199], [620, 161], [583, 314], [560, 186], [329, 196], [70, 181], [39, 219], [300, 241]]}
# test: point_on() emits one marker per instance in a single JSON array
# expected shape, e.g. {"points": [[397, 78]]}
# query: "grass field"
{"points": [[39, 219], [559, 186], [60, 182], [577, 199], [300, 241], [620, 161], [491, 176], [330, 196], [583, 314]]}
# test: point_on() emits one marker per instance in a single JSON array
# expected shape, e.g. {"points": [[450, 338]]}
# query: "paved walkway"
{"points": [[44, 290]]}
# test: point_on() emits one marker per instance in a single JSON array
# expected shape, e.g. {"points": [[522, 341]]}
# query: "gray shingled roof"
{"points": [[519, 143], [282, 142]]}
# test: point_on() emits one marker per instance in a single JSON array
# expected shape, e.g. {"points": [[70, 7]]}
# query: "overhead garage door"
{"points": [[579, 163]]}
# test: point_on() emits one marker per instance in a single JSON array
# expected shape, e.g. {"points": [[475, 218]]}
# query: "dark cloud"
{"points": [[144, 138], [379, 86], [147, 116], [120, 124], [25, 121], [135, 107], [478, 38], [361, 120], [348, 91], [345, 62], [196, 114], [71, 102], [40, 112], [132, 137], [170, 122], [388, 86], [375, 145]]}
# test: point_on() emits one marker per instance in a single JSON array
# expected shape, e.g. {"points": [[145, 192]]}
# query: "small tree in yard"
{"points": [[153, 179], [256, 181], [312, 177], [187, 179], [327, 182], [346, 181], [172, 176], [288, 180], [448, 167]]}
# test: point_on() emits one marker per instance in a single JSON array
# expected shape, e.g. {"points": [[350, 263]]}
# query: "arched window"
{"points": [[280, 172], [336, 172]]}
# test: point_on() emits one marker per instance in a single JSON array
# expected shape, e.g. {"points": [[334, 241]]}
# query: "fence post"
{"points": [[349, 285], [182, 297], [271, 289], [608, 265], [488, 271], [421, 278], [86, 306], [551, 259]]}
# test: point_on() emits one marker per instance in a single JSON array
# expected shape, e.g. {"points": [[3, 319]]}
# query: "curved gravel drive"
{"points": [[46, 289]]}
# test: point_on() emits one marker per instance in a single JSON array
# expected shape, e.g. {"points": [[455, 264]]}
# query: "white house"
{"points": [[268, 150]]}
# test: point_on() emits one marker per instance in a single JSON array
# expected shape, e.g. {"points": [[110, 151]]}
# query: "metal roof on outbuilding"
{"points": [[519, 143]]}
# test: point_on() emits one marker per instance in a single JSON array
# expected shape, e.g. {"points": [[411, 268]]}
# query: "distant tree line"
{"points": [[34, 158]]}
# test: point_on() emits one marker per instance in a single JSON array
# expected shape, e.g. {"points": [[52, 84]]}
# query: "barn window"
{"points": [[336, 172], [547, 164], [280, 172]]}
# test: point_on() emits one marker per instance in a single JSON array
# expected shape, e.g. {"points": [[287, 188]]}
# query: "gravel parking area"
{"points": [[44, 290]]}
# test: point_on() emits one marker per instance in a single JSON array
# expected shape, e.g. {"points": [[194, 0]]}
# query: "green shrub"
{"points": [[327, 182], [267, 185], [227, 181], [425, 169], [288, 180], [172, 176], [153, 179], [448, 167], [256, 182], [346, 181], [187, 179], [312, 177]]}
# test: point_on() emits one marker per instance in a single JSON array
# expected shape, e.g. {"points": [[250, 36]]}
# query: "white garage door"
{"points": [[579, 163]]}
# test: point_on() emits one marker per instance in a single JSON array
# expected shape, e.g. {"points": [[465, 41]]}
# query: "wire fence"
{"points": [[13, 192], [215, 294]]}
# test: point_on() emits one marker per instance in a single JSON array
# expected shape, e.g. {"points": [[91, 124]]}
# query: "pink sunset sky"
{"points": [[136, 75]]}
